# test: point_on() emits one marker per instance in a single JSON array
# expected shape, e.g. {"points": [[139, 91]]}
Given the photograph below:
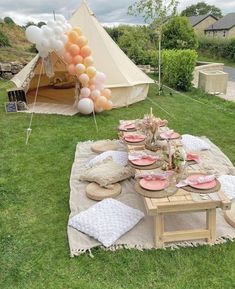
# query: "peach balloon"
{"points": [[84, 78], [85, 92], [91, 71], [81, 41], [110, 105], [85, 51], [80, 68], [71, 69], [97, 108], [88, 61], [95, 94], [101, 100], [74, 49], [68, 58], [92, 87], [67, 45], [78, 59], [107, 93], [73, 36], [78, 30]]}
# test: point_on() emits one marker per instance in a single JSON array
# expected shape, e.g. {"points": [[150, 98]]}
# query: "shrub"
{"points": [[178, 33], [178, 67], [4, 40], [217, 47], [9, 20]]}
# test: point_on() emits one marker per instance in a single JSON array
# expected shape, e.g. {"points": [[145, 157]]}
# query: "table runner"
{"points": [[141, 236]]}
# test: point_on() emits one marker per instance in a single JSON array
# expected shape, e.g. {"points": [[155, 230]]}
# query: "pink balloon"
{"points": [[85, 92], [100, 77], [99, 87], [72, 69]]}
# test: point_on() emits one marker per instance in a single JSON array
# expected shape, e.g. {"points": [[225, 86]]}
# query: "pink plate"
{"points": [[205, 186], [174, 135], [139, 138], [143, 162], [154, 185], [130, 126]]}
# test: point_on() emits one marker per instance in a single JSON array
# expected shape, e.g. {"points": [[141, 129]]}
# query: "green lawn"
{"points": [[34, 200]]}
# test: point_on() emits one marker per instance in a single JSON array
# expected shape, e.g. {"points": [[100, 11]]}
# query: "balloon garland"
{"points": [[72, 46]]}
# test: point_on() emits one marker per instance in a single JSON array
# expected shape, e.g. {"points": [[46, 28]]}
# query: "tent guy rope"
{"points": [[29, 129]]}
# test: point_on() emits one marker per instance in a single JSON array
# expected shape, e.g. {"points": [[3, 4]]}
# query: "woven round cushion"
{"points": [[98, 193], [105, 145], [200, 191], [230, 215]]}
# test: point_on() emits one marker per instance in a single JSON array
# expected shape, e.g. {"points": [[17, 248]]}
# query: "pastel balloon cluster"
{"points": [[93, 95], [50, 37], [58, 35]]}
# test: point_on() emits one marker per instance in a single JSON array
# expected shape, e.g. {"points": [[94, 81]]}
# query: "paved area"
{"points": [[230, 95]]}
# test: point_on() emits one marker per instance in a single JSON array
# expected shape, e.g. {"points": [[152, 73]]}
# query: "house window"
{"points": [[224, 33]]}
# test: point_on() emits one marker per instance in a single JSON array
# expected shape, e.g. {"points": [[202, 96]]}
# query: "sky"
{"points": [[108, 12]]}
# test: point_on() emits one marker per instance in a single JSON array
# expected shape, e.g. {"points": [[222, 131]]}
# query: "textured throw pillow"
{"points": [[118, 157], [106, 221], [106, 173], [193, 143]]}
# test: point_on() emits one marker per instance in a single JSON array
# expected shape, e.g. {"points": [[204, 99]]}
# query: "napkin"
{"points": [[124, 125], [193, 157], [168, 133], [153, 176], [197, 181], [139, 156]]}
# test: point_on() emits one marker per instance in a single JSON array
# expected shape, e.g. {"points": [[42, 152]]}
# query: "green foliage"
{"points": [[216, 47], [201, 8], [178, 33], [41, 23], [33, 48], [9, 20], [178, 67], [4, 41]]}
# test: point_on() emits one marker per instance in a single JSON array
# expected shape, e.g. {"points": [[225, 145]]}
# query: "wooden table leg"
{"points": [[158, 230], [211, 225]]}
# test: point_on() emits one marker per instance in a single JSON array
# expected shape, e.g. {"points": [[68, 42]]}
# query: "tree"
{"points": [[9, 20], [157, 11], [178, 33], [41, 23], [29, 23], [201, 8]]}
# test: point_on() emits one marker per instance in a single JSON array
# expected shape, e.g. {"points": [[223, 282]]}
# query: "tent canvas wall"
{"points": [[127, 82]]}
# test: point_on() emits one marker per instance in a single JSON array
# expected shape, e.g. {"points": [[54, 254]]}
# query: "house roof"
{"points": [[225, 23], [194, 20]]}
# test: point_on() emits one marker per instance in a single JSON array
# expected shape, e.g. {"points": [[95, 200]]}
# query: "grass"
{"points": [[34, 201]]}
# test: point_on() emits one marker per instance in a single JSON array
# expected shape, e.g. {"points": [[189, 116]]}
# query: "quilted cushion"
{"points": [[192, 143], [106, 221], [118, 157], [106, 173], [228, 185]]}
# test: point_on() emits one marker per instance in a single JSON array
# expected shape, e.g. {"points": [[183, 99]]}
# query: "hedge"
{"points": [[178, 67], [217, 47]]}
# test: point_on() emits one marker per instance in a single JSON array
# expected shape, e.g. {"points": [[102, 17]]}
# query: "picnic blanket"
{"points": [[141, 236]]}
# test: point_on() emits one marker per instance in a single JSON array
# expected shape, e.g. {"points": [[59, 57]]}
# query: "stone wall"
{"points": [[147, 68], [8, 70]]}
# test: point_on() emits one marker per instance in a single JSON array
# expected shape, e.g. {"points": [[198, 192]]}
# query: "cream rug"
{"points": [[141, 236], [52, 108]]}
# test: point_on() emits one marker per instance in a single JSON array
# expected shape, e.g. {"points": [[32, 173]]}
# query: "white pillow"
{"points": [[106, 221], [193, 143], [118, 157], [228, 185]]}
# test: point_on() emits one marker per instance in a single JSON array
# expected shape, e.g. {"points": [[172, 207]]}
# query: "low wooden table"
{"points": [[183, 202]]}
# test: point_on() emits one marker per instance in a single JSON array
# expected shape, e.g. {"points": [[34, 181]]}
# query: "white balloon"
{"points": [[51, 23], [85, 106], [47, 30], [45, 43], [43, 53], [64, 38], [56, 44], [58, 30], [33, 34], [60, 18]]}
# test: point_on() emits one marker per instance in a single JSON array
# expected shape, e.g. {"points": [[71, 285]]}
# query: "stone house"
{"points": [[201, 22], [224, 27]]}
